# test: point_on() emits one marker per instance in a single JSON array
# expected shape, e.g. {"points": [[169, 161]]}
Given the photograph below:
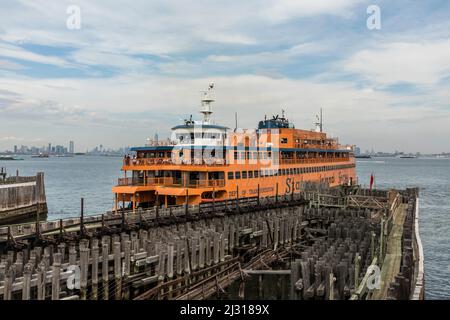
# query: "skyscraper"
{"points": [[71, 147]]}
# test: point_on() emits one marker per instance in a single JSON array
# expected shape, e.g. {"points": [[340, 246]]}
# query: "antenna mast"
{"points": [[321, 120], [208, 96]]}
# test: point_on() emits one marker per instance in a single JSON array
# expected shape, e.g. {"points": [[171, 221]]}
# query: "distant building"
{"points": [[71, 147], [357, 151], [15, 149]]}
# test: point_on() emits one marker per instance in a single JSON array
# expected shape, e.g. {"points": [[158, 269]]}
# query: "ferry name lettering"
{"points": [[289, 185]]}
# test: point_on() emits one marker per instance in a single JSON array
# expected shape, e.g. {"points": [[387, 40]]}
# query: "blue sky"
{"points": [[134, 69]]}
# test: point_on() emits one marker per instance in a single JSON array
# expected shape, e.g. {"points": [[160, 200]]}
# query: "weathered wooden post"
{"points": [[41, 275], [26, 288], [381, 250], [170, 257], [84, 263], [331, 284], [105, 275], [127, 267], [56, 276], [237, 199], [7, 286], [216, 248], [82, 219], [94, 270], [117, 271], [259, 200], [357, 266]]}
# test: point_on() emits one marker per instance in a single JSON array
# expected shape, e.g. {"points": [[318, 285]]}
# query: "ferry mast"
{"points": [[208, 96]]}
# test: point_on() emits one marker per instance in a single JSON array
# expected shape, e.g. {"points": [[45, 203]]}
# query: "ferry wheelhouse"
{"points": [[204, 162]]}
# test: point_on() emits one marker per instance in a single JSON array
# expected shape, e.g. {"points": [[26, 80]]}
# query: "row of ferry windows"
{"points": [[283, 172], [262, 155], [204, 135]]}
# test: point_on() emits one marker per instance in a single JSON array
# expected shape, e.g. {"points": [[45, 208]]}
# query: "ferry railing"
{"points": [[129, 182], [169, 161], [206, 183], [312, 160], [171, 182], [220, 162]]}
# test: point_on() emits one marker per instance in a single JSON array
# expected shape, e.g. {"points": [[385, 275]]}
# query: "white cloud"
{"points": [[282, 10], [11, 51], [137, 106], [10, 65], [273, 57], [421, 63]]}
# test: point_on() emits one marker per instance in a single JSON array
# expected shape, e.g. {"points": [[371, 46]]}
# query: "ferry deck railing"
{"points": [[171, 182], [223, 162]]}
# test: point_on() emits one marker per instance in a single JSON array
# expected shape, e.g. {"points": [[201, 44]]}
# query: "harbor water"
{"points": [[67, 179]]}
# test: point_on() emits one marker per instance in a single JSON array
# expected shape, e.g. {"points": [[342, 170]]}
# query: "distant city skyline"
{"points": [[130, 71], [59, 149]]}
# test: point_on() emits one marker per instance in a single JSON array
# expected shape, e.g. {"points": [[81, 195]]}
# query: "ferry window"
{"points": [[270, 172], [249, 155], [235, 155], [283, 172], [266, 173], [261, 173], [269, 154], [242, 155], [230, 176], [291, 171], [237, 174], [279, 172], [284, 140], [255, 155], [264, 155], [250, 174], [244, 174], [256, 173]]}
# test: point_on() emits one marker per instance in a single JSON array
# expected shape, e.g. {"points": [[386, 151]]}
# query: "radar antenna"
{"points": [[208, 96]]}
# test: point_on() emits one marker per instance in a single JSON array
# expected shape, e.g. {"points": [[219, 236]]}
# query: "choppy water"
{"points": [[69, 179]]}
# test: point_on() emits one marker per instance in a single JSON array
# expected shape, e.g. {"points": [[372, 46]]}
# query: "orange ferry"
{"points": [[203, 162]]}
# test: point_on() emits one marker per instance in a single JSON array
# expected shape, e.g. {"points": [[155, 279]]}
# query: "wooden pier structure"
{"points": [[328, 248], [21, 198]]}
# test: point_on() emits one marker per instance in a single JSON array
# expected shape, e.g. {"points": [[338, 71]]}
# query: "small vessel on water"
{"points": [[9, 158], [40, 155], [204, 162]]}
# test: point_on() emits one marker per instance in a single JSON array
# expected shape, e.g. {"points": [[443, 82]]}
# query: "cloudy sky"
{"points": [[135, 68]]}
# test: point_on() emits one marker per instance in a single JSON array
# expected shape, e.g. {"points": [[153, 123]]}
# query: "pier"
{"points": [[327, 241], [21, 198]]}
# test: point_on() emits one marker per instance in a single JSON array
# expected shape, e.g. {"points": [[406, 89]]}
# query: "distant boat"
{"points": [[41, 155], [363, 156], [9, 158], [407, 157]]}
